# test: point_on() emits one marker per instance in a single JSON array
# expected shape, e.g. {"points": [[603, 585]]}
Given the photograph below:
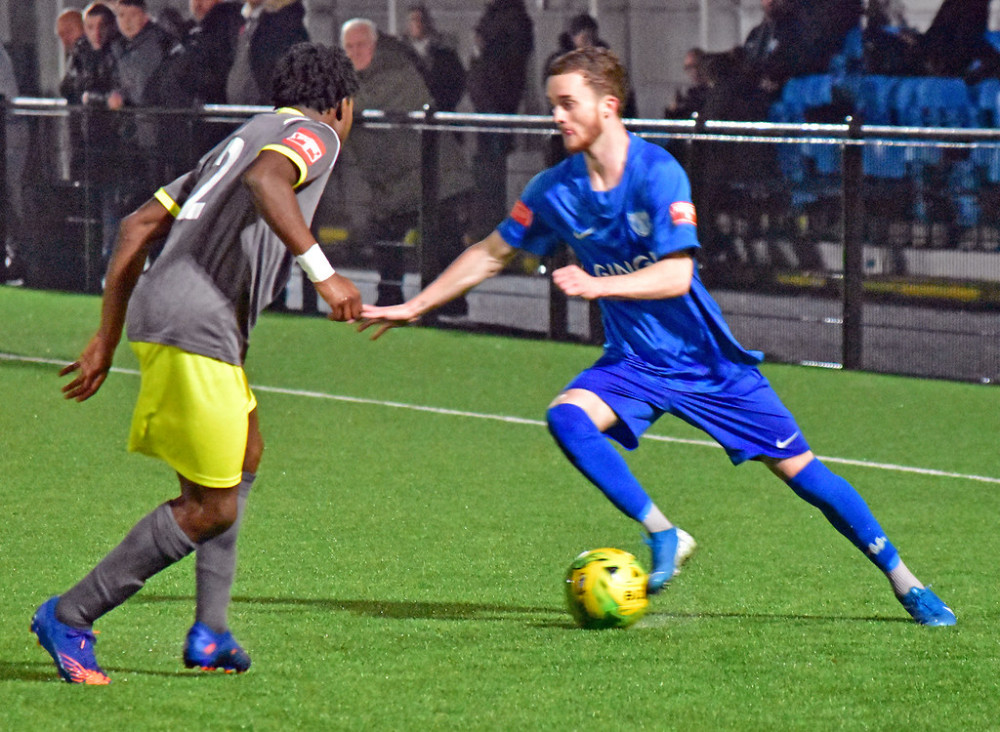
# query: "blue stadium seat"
{"points": [[875, 98], [793, 98], [986, 159], [903, 102], [943, 102], [817, 90], [790, 161], [886, 162], [985, 97]]}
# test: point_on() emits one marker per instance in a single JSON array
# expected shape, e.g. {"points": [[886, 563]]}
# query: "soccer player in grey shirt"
{"points": [[230, 229]]}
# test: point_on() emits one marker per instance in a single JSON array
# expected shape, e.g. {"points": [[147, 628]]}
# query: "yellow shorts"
{"points": [[192, 413]]}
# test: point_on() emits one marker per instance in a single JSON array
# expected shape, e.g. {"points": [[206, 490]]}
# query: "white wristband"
{"points": [[315, 264]]}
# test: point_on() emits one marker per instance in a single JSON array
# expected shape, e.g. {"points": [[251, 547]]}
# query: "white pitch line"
{"points": [[521, 420]]}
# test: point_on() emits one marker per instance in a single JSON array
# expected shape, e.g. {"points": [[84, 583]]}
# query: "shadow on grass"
{"points": [[539, 617], [46, 671], [782, 617], [34, 671], [544, 617], [397, 610]]}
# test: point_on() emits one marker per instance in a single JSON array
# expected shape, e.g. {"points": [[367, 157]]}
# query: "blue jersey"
{"points": [[647, 216]]}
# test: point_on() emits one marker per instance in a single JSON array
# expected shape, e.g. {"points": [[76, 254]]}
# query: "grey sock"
{"points": [[153, 544], [215, 568]]}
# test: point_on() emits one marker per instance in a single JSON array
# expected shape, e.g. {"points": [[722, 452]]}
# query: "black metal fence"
{"points": [[843, 245]]}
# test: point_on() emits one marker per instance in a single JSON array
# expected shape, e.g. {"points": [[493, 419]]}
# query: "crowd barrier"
{"points": [[846, 244]]}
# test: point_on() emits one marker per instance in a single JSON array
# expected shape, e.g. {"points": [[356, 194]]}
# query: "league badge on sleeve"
{"points": [[522, 214], [306, 144], [682, 212]]}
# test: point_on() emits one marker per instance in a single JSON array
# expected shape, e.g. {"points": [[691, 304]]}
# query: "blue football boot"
{"points": [[927, 608], [208, 650], [71, 648], [670, 549]]}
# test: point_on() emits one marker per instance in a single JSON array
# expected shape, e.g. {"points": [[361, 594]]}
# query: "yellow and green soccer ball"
{"points": [[606, 588]]}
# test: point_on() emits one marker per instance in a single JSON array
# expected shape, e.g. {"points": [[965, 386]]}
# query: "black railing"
{"points": [[770, 229]]}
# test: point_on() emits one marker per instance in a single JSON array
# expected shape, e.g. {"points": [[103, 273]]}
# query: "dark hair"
{"points": [[313, 75], [582, 22], [600, 68], [136, 3], [98, 8]]}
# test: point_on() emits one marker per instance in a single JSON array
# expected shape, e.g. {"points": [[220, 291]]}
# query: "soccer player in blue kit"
{"points": [[624, 207]]}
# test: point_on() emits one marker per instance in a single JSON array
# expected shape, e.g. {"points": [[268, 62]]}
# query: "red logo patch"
{"points": [[306, 144], [682, 212], [522, 214]]}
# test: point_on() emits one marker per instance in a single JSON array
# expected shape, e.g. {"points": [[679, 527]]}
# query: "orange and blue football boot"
{"points": [[208, 650], [72, 649]]}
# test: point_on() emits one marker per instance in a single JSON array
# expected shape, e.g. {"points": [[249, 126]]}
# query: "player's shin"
{"points": [[594, 456], [844, 507], [215, 568], [153, 544]]}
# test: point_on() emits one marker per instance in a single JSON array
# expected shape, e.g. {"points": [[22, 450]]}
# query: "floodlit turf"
{"points": [[402, 569]]}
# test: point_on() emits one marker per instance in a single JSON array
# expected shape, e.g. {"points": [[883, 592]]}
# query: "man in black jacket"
{"points": [[271, 27], [496, 83]]}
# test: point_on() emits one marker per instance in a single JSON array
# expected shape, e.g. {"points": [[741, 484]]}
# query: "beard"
{"points": [[584, 134]]}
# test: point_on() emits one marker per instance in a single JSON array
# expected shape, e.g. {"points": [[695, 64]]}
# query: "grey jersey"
{"points": [[221, 264]]}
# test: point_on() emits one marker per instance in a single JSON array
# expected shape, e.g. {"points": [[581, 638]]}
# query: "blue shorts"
{"points": [[746, 417]]}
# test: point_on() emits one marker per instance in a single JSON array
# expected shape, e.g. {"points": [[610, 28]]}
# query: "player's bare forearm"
{"points": [[149, 223], [670, 277], [271, 179], [476, 264]]}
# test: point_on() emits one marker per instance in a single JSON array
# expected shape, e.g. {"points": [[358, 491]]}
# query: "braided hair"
{"points": [[313, 75]]}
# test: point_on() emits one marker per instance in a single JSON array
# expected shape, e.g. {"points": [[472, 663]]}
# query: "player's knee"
{"points": [[203, 513], [568, 423]]}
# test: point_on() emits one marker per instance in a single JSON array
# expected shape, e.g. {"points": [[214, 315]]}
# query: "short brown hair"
{"points": [[600, 68]]}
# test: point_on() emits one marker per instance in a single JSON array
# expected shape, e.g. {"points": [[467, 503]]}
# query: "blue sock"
{"points": [[594, 456], [846, 510]]}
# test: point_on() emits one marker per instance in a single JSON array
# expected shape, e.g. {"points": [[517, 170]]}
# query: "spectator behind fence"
{"points": [[891, 45], [139, 53], [90, 79], [173, 22], [16, 154], [691, 100], [955, 43], [504, 40], [389, 160], [270, 28], [211, 47], [69, 28], [438, 62], [581, 31], [90, 69], [796, 37]]}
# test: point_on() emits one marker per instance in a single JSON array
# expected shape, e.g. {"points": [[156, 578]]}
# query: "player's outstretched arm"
{"points": [[670, 277], [147, 224], [477, 263], [271, 179]]}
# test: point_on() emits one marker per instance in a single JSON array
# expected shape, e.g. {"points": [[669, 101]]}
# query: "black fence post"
{"points": [[854, 260], [429, 175], [5, 211]]}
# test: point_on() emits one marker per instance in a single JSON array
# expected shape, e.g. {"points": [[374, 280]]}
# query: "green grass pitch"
{"points": [[402, 568]]}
